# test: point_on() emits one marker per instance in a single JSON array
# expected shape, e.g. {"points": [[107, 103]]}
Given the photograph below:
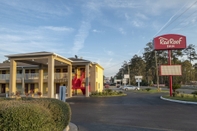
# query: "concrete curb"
{"points": [[72, 127], [178, 101]]}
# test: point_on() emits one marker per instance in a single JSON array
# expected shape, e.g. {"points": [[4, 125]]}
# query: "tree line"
{"points": [[145, 66]]}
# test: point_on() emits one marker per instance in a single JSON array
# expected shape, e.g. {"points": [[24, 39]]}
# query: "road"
{"points": [[134, 112]]}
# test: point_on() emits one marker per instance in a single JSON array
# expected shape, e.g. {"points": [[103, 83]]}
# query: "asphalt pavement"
{"points": [[134, 112]]}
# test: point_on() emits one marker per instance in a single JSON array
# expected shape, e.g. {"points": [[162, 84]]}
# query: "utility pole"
{"points": [[157, 75], [129, 73]]}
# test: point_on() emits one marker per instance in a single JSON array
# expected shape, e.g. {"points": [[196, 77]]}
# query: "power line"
{"points": [[170, 22], [113, 65], [183, 21]]}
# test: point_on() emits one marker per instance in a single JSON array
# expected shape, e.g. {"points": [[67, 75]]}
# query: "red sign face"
{"points": [[170, 42]]}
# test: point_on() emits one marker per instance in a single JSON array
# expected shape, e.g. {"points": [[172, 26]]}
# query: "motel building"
{"points": [[45, 72]]}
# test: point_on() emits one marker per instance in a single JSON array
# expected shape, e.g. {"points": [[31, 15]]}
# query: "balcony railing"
{"points": [[18, 76], [30, 76], [4, 76], [60, 75]]}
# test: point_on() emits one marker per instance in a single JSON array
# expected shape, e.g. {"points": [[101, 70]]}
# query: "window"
{"points": [[3, 71], [33, 71], [58, 70], [65, 70], [19, 71]]}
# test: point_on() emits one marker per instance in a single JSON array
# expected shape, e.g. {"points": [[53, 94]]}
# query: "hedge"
{"points": [[34, 114]]}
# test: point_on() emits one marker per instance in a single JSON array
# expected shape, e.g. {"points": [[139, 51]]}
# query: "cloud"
{"points": [[142, 16], [126, 16], [120, 4], [96, 31], [122, 31], [109, 62], [90, 11], [23, 39], [36, 9], [137, 23], [53, 28], [81, 36], [110, 53]]}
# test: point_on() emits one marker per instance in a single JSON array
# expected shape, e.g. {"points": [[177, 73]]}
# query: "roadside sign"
{"points": [[124, 81], [138, 80], [138, 77], [126, 75], [173, 70]]}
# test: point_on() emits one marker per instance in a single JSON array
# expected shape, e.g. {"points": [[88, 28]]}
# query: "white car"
{"points": [[130, 87]]}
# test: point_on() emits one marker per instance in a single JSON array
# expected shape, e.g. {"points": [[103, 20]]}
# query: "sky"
{"points": [[108, 32]]}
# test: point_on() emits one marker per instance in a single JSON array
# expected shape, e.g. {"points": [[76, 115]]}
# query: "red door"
{"points": [[3, 88], [57, 88], [32, 88], [26, 88]]}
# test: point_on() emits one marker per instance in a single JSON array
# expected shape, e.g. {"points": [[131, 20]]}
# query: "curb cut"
{"points": [[179, 101]]}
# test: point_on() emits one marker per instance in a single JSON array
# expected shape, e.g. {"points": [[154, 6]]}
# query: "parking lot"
{"points": [[134, 112]]}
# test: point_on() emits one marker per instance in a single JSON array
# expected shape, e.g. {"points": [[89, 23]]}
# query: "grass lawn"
{"points": [[183, 97], [101, 95], [147, 90], [107, 93]]}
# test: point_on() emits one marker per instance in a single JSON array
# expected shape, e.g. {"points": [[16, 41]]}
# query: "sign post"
{"points": [[170, 76], [170, 42], [124, 81], [138, 80]]}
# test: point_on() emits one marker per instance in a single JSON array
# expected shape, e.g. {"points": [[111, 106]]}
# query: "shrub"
{"points": [[177, 92], [194, 93], [58, 112], [17, 116], [120, 92], [175, 86], [148, 89], [194, 96], [174, 94], [61, 113], [109, 90]]}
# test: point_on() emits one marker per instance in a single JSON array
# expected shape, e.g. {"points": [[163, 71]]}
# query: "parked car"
{"points": [[130, 87], [112, 84], [121, 87]]}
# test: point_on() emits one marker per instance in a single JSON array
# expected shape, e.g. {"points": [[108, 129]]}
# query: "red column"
{"points": [[170, 77]]}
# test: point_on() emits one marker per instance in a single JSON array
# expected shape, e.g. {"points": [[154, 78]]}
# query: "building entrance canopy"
{"points": [[42, 59]]}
